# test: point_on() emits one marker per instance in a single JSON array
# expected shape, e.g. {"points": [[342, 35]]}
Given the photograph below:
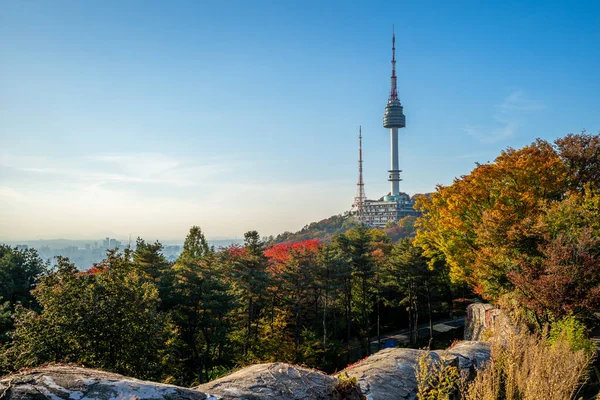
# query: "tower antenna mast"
{"points": [[394, 87], [360, 198]]}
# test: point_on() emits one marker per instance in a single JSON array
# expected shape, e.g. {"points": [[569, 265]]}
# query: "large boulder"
{"points": [[277, 381], [390, 374], [58, 382], [471, 355]]}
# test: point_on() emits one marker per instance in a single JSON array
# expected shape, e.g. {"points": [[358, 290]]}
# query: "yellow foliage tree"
{"points": [[483, 222]]}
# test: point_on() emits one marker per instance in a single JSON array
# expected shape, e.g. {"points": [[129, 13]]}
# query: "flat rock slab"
{"points": [[471, 354], [390, 373], [277, 381], [62, 382]]}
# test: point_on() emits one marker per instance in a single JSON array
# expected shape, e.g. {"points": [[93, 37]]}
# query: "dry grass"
{"points": [[527, 367]]}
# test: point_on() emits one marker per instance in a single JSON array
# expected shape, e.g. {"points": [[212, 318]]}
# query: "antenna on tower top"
{"points": [[394, 90]]}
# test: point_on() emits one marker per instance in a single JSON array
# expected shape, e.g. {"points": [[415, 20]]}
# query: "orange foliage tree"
{"points": [[487, 222]]}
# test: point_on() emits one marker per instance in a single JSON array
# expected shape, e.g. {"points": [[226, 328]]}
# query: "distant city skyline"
{"points": [[85, 253], [146, 118]]}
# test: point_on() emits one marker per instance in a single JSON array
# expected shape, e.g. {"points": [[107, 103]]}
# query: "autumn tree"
{"points": [[478, 223], [489, 226], [564, 279], [581, 156]]}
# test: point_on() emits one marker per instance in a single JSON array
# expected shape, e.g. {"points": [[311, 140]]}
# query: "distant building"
{"points": [[395, 205], [379, 212]]}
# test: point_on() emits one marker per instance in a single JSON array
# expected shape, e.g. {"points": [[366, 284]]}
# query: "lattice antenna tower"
{"points": [[360, 198]]}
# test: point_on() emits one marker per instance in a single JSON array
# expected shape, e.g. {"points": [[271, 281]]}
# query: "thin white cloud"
{"points": [[162, 197], [518, 101], [150, 168], [12, 195], [507, 118], [503, 130]]}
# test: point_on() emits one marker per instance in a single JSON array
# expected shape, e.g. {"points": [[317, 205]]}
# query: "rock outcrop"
{"points": [[470, 355], [386, 375], [63, 382], [277, 381], [485, 321], [390, 373]]}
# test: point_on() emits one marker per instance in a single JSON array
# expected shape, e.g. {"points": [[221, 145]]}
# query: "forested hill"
{"points": [[328, 227], [323, 229]]}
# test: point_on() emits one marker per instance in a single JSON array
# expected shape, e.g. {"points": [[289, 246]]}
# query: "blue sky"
{"points": [[146, 117]]}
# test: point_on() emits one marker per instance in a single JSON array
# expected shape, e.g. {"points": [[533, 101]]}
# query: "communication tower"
{"points": [[359, 200]]}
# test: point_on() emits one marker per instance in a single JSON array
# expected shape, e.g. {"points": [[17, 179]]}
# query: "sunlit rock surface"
{"points": [[390, 373], [484, 322], [386, 375], [62, 382], [278, 381]]}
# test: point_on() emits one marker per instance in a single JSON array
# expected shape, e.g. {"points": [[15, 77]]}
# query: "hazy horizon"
{"points": [[146, 118]]}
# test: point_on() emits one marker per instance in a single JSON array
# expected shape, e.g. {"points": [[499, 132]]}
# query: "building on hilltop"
{"points": [[395, 205]]}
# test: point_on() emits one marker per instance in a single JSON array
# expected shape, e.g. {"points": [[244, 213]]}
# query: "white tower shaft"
{"points": [[394, 164]]}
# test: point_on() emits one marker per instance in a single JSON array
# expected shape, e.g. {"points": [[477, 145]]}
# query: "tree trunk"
{"points": [[378, 325], [348, 310], [410, 315], [248, 326], [429, 312], [325, 321], [416, 324], [365, 316]]}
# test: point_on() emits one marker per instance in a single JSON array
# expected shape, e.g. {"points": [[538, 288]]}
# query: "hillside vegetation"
{"points": [[339, 224]]}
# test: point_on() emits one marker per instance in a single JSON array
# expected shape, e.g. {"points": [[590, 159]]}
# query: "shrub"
{"points": [[573, 332], [436, 379]]}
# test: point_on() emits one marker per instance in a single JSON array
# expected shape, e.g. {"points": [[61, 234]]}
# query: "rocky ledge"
{"points": [[64, 382], [390, 373], [386, 375]]}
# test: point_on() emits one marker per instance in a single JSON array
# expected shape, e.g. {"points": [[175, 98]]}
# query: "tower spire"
{"points": [[394, 89], [360, 199]]}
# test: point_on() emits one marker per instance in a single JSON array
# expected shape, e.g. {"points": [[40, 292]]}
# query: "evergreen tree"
{"points": [[250, 280], [199, 302]]}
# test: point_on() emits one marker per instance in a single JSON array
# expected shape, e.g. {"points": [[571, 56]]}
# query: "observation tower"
{"points": [[392, 207], [393, 120]]}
